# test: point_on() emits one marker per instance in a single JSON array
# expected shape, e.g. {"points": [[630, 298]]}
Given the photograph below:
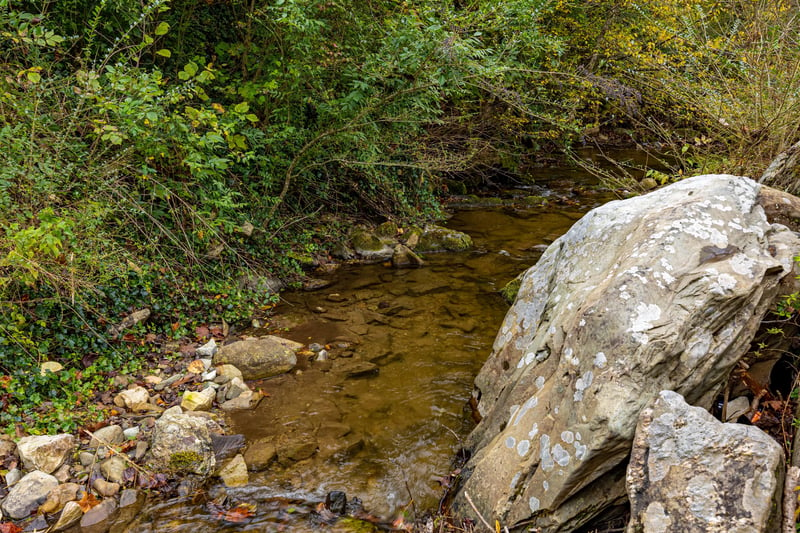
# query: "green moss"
{"points": [[534, 200], [364, 240], [184, 461], [438, 239], [387, 229], [510, 290], [348, 524]]}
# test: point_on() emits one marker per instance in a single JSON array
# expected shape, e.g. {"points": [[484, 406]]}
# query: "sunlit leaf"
{"points": [[88, 501], [162, 28], [164, 52]]}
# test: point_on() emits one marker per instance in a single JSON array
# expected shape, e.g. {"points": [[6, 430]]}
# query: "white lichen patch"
{"points": [[600, 360], [545, 485], [722, 284], [513, 484], [529, 404], [568, 437], [534, 430], [539, 383], [581, 384], [743, 265], [581, 323], [666, 264], [580, 450], [534, 504], [545, 459], [560, 455], [646, 314], [523, 447], [511, 442]]}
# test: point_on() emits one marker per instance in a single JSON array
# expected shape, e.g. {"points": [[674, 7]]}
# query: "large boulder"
{"points": [[182, 443], [690, 472], [659, 292], [259, 358]]}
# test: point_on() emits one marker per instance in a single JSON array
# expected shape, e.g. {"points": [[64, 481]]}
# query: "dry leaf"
{"points": [[8, 527], [88, 501]]}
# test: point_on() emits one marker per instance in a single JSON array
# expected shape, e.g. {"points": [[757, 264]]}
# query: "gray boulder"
{"points": [[690, 472], [182, 443], [658, 292], [28, 494], [259, 358]]}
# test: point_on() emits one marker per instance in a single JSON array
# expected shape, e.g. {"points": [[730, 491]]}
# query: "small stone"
{"points": [[133, 396], [209, 349], [108, 435], [198, 401], [99, 518], [322, 355], [105, 488], [131, 433], [131, 502], [234, 472], [315, 347], [336, 502], [86, 458], [209, 376], [63, 473], [228, 371], [147, 407], [70, 515], [13, 475], [260, 453], [235, 388], [167, 382], [121, 380], [246, 400], [141, 450], [113, 468], [153, 379], [59, 496]]}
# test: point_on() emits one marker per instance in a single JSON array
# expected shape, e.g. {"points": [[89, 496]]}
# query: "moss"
{"points": [[184, 461], [440, 239], [364, 240], [534, 200], [387, 229], [349, 524], [510, 290]]}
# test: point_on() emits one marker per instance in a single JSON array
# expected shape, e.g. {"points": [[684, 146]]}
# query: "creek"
{"points": [[386, 434]]}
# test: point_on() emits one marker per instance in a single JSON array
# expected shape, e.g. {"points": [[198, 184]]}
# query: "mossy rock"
{"points": [[456, 187], [388, 229], [370, 246], [510, 289], [439, 239], [534, 200]]}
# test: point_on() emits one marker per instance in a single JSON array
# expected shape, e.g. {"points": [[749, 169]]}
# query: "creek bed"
{"points": [[389, 408]]}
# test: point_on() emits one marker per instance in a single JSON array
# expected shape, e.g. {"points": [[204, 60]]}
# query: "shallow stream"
{"points": [[385, 432]]}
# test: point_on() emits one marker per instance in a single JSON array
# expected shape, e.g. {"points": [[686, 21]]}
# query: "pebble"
{"points": [[131, 433]]}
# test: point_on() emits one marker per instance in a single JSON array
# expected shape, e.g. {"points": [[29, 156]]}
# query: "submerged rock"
{"points": [[259, 358], [439, 239], [658, 292], [690, 472]]}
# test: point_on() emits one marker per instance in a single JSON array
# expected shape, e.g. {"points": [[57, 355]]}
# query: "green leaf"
{"points": [[162, 28], [251, 117], [242, 107], [190, 69], [164, 52], [34, 77]]}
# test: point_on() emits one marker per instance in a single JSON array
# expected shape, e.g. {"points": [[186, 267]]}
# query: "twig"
{"points": [[485, 523]]}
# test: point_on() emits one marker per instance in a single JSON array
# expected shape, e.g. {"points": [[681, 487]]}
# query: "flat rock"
{"points": [[133, 396], [690, 472], [28, 494], [234, 472], [100, 518], [108, 435], [260, 358], [182, 443], [260, 453], [45, 452]]}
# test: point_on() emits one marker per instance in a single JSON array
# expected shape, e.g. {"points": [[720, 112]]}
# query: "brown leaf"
{"points": [[88, 501], [239, 514], [9, 527], [202, 332]]}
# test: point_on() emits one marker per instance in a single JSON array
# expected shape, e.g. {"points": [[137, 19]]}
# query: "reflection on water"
{"points": [[383, 437]]}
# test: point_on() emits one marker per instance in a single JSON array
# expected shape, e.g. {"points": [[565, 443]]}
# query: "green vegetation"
{"points": [[157, 153]]}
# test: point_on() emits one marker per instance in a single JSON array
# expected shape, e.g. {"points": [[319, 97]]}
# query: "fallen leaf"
{"points": [[8, 527], [238, 514], [88, 501], [201, 332]]}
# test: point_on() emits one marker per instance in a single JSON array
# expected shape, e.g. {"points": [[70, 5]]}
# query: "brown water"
{"points": [[388, 436]]}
